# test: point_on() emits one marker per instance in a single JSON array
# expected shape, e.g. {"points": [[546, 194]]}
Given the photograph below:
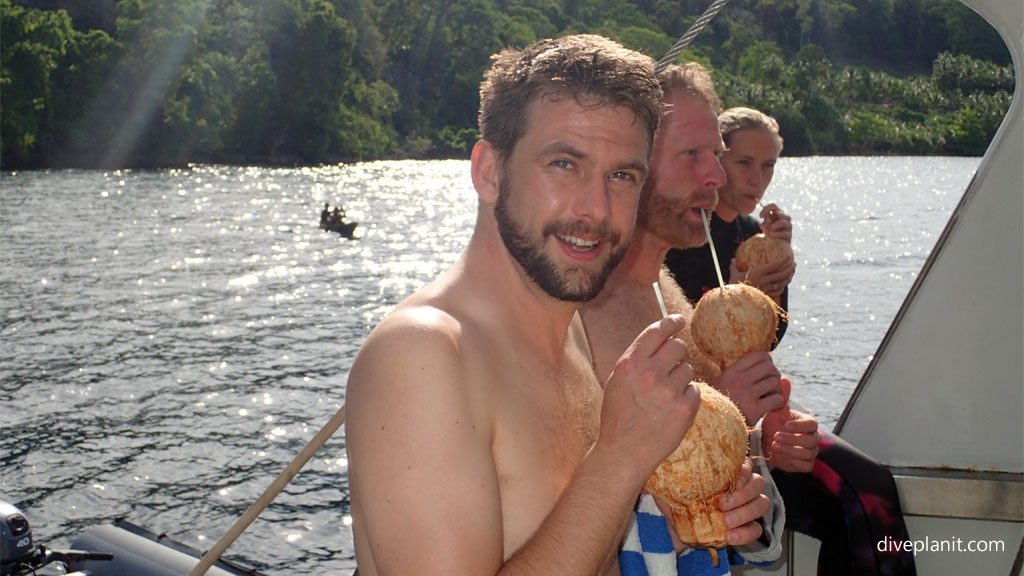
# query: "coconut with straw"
{"points": [[734, 319], [728, 322], [760, 249], [705, 465]]}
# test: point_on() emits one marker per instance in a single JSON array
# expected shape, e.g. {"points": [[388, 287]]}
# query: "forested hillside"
{"points": [[119, 83]]}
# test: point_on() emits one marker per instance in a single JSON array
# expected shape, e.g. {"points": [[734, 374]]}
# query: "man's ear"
{"points": [[484, 163]]}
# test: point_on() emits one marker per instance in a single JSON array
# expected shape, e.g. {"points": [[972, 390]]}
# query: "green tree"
{"points": [[199, 114], [32, 45], [82, 74], [761, 62], [307, 81], [254, 132], [157, 39], [310, 59], [950, 26], [962, 72], [651, 42]]}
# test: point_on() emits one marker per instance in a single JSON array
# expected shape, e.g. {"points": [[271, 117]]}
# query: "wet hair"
{"points": [[741, 118], [690, 80], [592, 70]]}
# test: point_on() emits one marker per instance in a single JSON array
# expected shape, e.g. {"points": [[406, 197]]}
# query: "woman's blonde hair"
{"points": [[741, 118]]}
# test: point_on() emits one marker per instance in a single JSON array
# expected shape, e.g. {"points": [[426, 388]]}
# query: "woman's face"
{"points": [[749, 166]]}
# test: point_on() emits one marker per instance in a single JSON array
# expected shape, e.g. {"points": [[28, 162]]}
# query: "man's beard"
{"points": [[571, 285], [666, 218]]}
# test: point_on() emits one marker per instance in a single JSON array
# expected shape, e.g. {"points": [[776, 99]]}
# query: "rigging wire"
{"points": [[687, 38]]}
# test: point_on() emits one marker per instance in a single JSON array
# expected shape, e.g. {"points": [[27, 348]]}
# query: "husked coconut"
{"points": [[705, 465], [760, 249], [732, 320]]}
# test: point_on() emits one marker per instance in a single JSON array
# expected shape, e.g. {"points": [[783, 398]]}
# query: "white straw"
{"points": [[711, 244], [661, 300]]}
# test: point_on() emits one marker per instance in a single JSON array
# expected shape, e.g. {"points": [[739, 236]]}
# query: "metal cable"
{"points": [[689, 35]]}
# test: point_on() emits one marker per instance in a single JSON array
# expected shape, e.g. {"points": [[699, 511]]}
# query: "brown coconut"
{"points": [[731, 321], [705, 465], [760, 249]]}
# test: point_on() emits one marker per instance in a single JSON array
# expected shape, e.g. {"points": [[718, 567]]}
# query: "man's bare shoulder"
{"points": [[423, 351], [413, 338], [416, 320], [415, 411], [435, 315]]}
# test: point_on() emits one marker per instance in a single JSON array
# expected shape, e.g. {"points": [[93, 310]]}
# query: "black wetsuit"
{"points": [[848, 501]]}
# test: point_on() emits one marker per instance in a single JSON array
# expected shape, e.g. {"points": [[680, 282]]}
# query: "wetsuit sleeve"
{"points": [[768, 548]]}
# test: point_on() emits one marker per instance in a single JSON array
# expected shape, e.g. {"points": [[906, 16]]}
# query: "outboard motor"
{"points": [[19, 557], [122, 549], [15, 539]]}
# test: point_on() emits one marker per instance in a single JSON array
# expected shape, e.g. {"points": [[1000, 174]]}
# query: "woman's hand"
{"points": [[775, 223], [771, 278]]}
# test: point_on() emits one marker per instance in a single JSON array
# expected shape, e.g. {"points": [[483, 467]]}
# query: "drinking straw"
{"points": [[661, 300], [711, 244]]}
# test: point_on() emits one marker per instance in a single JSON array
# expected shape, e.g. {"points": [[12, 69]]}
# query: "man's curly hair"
{"points": [[593, 70]]}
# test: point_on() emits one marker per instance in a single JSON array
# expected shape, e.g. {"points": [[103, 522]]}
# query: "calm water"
{"points": [[171, 339]]}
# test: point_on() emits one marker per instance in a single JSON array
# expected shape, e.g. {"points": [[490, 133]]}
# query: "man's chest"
{"points": [[548, 417], [546, 422]]}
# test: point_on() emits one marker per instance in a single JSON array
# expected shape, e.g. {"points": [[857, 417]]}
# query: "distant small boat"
{"points": [[346, 229]]}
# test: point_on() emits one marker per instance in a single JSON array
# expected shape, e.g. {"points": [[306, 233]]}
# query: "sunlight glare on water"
{"points": [[189, 330], [862, 230]]}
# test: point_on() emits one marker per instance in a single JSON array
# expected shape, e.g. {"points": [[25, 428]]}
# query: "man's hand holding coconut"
{"points": [[752, 383], [707, 475], [709, 469]]}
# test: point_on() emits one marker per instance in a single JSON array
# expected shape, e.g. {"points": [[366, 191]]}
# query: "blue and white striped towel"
{"points": [[647, 549]]}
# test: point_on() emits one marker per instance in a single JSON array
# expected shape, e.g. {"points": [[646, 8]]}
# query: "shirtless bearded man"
{"points": [[479, 439]]}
